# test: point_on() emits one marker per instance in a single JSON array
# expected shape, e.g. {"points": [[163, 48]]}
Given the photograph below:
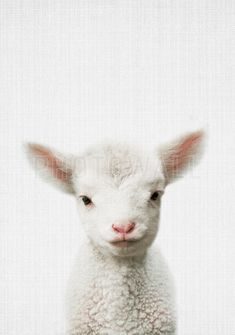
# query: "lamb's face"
{"points": [[118, 195], [118, 189]]}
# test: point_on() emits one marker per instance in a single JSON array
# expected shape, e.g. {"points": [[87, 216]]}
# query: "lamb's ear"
{"points": [[181, 154], [51, 166]]}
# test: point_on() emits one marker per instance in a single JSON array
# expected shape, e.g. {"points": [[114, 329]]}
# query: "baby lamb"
{"points": [[120, 284]]}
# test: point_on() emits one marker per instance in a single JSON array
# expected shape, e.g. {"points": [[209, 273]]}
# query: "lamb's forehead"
{"points": [[119, 162]]}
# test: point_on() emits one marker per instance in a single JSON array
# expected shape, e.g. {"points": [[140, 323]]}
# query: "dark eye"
{"points": [[87, 201], [154, 196]]}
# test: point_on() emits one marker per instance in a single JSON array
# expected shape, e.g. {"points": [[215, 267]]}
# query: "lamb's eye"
{"points": [[154, 196], [87, 201]]}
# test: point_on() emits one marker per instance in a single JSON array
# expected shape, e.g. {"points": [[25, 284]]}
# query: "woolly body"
{"points": [[113, 296]]}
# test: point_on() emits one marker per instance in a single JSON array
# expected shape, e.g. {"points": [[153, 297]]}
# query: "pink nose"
{"points": [[123, 226]]}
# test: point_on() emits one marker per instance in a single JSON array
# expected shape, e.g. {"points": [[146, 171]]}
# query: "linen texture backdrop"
{"points": [[74, 72]]}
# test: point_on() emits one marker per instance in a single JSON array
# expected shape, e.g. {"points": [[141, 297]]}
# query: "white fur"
{"points": [[117, 290]]}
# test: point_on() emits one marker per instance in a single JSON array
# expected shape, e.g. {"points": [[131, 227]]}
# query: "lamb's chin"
{"points": [[126, 248]]}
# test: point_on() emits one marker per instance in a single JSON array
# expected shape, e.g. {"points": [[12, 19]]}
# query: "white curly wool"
{"points": [[120, 284], [112, 296]]}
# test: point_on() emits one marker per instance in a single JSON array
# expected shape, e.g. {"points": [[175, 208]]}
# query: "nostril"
{"points": [[123, 228], [130, 227], [116, 228]]}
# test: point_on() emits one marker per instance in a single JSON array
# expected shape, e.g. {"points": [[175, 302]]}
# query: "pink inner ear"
{"points": [[181, 155], [51, 162]]}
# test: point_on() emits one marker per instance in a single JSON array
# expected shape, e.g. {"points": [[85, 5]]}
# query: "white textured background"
{"points": [[73, 72]]}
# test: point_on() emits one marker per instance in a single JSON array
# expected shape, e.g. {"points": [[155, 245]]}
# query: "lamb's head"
{"points": [[118, 189]]}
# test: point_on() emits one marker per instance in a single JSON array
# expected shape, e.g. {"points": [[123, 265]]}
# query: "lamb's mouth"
{"points": [[124, 243]]}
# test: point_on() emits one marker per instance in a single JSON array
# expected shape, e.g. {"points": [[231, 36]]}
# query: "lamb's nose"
{"points": [[123, 226]]}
